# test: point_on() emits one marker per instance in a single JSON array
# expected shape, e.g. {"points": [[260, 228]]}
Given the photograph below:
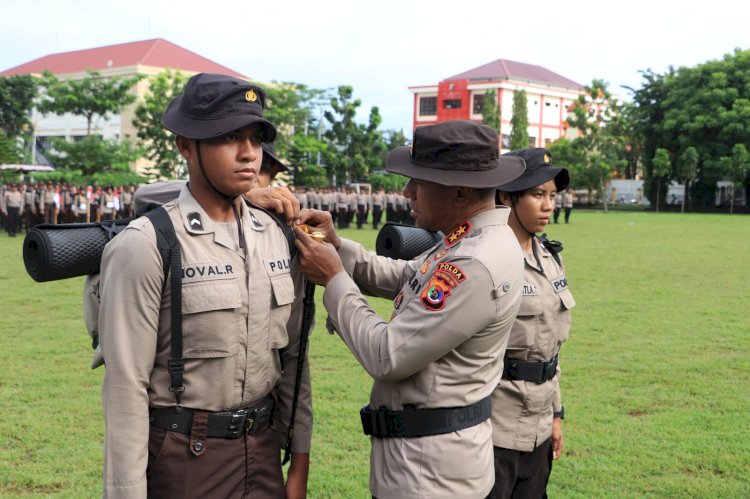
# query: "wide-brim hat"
{"points": [[213, 105], [269, 151], [539, 170], [455, 153]]}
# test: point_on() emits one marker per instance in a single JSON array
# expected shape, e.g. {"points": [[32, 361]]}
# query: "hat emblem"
{"points": [[250, 96], [546, 158]]}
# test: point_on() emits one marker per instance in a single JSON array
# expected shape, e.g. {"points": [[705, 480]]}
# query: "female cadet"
{"points": [[526, 405]]}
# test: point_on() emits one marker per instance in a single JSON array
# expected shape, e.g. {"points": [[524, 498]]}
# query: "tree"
{"points": [[491, 111], [519, 133], [296, 111], [90, 96], [92, 155], [354, 149], [687, 171], [17, 95], [662, 166], [597, 116], [157, 142], [738, 166]]}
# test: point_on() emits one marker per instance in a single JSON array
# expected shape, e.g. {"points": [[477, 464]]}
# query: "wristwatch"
{"points": [[560, 414]]}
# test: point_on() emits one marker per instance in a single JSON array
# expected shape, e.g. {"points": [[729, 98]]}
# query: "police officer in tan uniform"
{"points": [[438, 360], [527, 408], [209, 435]]}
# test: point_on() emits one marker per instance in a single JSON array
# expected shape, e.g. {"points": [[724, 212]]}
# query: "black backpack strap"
{"points": [[288, 231], [169, 249], [554, 247]]}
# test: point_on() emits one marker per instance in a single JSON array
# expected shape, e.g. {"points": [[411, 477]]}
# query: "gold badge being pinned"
{"points": [[250, 96]]}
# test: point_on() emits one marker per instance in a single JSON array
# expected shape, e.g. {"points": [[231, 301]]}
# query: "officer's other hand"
{"points": [[279, 199], [557, 438], [321, 221], [296, 480], [318, 261]]}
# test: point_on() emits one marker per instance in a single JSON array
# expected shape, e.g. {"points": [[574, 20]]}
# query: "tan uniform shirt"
{"points": [[568, 199], [363, 198], [237, 312], [522, 410], [378, 199], [13, 199], [107, 203], [440, 349]]}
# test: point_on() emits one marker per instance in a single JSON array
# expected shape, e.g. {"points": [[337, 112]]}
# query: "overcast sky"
{"points": [[383, 47]]}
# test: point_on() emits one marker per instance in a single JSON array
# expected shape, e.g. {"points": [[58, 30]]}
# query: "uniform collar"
{"points": [[497, 216], [197, 222]]}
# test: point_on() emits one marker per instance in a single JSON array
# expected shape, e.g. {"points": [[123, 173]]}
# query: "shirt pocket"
{"points": [[282, 290], [526, 326], [210, 319]]}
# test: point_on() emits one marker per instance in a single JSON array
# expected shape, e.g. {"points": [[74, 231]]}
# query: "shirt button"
{"points": [[506, 287]]}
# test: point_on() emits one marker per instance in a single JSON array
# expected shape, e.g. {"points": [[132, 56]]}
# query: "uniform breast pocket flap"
{"points": [[210, 318], [283, 289]]}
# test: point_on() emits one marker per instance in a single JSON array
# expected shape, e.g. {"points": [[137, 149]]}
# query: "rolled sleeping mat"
{"points": [[404, 242], [53, 252]]}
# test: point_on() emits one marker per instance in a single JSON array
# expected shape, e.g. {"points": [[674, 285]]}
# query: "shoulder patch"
{"points": [[446, 277], [559, 284]]}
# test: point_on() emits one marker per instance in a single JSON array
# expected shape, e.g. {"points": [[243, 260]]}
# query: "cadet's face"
{"points": [[232, 161], [535, 205], [428, 203]]}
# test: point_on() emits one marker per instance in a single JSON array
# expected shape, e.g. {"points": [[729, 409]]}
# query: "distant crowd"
{"points": [[25, 205]]}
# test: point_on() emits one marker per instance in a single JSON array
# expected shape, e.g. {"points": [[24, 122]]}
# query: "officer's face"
{"points": [[428, 204], [232, 161], [535, 206]]}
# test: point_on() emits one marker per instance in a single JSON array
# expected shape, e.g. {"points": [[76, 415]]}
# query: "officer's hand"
{"points": [[318, 261], [278, 199], [321, 221], [557, 438]]}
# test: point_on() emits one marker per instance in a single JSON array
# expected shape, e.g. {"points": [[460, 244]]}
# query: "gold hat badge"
{"points": [[546, 159], [250, 96]]}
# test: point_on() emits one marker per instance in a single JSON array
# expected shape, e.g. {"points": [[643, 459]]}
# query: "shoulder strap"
{"points": [[169, 249], [554, 247]]}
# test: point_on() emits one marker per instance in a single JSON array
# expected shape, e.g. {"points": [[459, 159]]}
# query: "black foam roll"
{"points": [[52, 252], [404, 242]]}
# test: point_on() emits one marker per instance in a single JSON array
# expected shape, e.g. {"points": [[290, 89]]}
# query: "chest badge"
{"points": [[425, 266], [458, 233], [255, 221]]}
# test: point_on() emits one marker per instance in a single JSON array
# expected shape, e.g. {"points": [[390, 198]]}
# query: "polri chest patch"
{"points": [[211, 271], [559, 284], [278, 266]]}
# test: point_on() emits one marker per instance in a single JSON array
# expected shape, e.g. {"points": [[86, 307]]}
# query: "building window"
{"points": [[427, 106], [478, 104], [452, 104], [547, 142], [532, 141], [506, 141]]}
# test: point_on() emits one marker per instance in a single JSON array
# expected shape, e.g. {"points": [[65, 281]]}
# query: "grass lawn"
{"points": [[656, 375]]}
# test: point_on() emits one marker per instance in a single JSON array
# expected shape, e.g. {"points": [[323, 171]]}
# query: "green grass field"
{"points": [[656, 375]]}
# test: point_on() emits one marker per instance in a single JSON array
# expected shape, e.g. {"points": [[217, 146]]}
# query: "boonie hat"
{"points": [[539, 170], [269, 151], [455, 153], [212, 105]]}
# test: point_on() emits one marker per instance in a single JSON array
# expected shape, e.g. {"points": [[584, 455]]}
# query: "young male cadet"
{"points": [[208, 434], [438, 360]]}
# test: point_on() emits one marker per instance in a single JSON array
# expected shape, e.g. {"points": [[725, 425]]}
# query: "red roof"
{"points": [[158, 53], [503, 69]]}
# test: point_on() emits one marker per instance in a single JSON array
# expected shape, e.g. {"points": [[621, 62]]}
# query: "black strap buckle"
{"points": [[238, 424], [381, 422]]}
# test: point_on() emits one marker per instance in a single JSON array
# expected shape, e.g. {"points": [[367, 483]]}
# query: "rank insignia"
{"points": [[194, 221], [256, 222], [458, 233]]}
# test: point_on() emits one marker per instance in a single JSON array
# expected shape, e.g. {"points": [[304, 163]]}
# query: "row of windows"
{"points": [[428, 105]]}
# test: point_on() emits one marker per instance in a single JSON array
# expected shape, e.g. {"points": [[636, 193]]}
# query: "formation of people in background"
{"points": [[25, 205]]}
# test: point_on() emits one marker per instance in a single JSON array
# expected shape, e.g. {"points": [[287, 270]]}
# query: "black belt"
{"points": [[409, 423], [537, 371], [228, 424]]}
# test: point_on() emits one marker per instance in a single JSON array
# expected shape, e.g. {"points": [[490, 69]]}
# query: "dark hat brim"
{"points": [[543, 175], [179, 124], [508, 168], [274, 159]]}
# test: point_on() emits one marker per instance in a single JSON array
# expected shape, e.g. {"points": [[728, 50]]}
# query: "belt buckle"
{"points": [[238, 422]]}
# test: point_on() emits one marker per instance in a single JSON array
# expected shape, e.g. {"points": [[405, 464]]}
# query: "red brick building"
{"points": [[461, 96]]}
